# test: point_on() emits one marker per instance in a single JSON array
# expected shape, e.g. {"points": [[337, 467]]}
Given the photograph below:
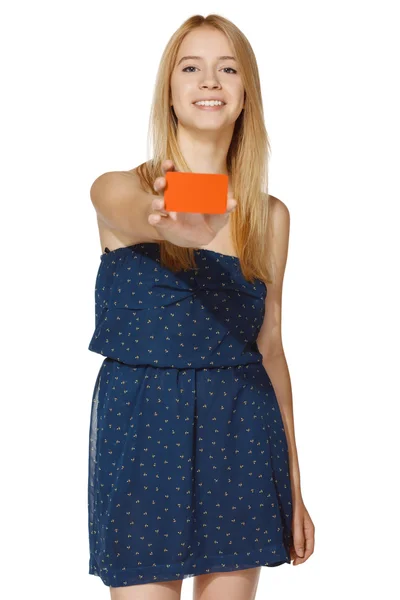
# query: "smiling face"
{"points": [[210, 75]]}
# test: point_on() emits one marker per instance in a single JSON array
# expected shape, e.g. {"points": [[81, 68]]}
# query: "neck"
{"points": [[205, 152]]}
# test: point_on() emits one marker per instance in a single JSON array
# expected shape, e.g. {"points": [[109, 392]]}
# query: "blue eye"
{"points": [[183, 70]]}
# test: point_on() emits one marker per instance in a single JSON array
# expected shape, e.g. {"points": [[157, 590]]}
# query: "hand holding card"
{"points": [[194, 207]]}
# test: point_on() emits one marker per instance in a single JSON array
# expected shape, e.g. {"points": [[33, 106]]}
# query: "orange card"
{"points": [[196, 192]]}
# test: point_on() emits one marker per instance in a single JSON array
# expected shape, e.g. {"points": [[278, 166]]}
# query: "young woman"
{"points": [[193, 468]]}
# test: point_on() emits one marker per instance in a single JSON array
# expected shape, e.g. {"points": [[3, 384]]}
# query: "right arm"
{"points": [[123, 206]]}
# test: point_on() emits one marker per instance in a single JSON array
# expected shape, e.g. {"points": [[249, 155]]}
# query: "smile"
{"points": [[217, 107]]}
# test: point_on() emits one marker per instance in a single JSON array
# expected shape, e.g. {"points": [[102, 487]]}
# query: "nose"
{"points": [[210, 80], [212, 85]]}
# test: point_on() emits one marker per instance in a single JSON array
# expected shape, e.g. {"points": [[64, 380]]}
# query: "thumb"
{"points": [[231, 205], [298, 538], [164, 220]]}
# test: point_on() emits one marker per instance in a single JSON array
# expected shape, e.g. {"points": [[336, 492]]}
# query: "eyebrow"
{"points": [[200, 58]]}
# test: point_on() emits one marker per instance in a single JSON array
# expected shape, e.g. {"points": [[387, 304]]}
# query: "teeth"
{"points": [[209, 103]]}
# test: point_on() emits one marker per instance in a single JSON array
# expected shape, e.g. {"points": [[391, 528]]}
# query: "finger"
{"points": [[303, 541], [310, 542], [159, 184], [231, 205], [299, 560], [298, 538], [154, 219], [158, 204], [167, 165], [307, 551], [159, 220], [157, 207], [172, 215]]}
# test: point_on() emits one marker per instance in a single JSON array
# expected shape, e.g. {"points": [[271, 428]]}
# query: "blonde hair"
{"points": [[247, 159]]}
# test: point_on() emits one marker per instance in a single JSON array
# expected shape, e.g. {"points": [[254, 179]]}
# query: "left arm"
{"points": [[269, 340], [270, 345]]}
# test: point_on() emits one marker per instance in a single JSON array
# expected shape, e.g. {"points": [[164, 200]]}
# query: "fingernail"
{"points": [[300, 551]]}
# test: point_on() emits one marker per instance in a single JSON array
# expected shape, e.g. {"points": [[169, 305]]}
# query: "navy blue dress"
{"points": [[188, 469]]}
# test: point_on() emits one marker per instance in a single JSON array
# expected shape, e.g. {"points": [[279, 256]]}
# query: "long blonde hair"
{"points": [[247, 159]]}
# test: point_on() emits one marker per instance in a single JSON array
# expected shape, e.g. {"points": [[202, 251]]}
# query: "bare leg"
{"points": [[165, 590], [235, 585]]}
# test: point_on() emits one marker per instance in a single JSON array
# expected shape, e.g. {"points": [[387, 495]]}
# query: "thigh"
{"points": [[166, 590], [235, 585]]}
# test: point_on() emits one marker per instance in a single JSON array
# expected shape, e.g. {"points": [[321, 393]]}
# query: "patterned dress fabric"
{"points": [[188, 469]]}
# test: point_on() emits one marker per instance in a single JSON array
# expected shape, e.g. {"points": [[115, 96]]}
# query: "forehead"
{"points": [[205, 41]]}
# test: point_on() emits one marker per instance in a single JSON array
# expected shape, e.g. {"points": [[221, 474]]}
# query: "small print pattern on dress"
{"points": [[188, 469]]}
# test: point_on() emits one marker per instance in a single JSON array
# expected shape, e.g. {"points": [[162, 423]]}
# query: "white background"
{"points": [[77, 85]]}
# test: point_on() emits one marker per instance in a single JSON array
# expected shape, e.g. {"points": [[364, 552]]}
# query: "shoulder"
{"points": [[114, 185], [278, 236], [122, 208], [111, 180], [278, 219], [278, 213]]}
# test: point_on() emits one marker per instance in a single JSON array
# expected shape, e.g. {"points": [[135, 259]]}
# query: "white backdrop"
{"points": [[78, 80]]}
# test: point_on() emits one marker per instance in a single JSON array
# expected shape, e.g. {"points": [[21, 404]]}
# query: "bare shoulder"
{"points": [[278, 232], [278, 219], [122, 206], [279, 213], [113, 182]]}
